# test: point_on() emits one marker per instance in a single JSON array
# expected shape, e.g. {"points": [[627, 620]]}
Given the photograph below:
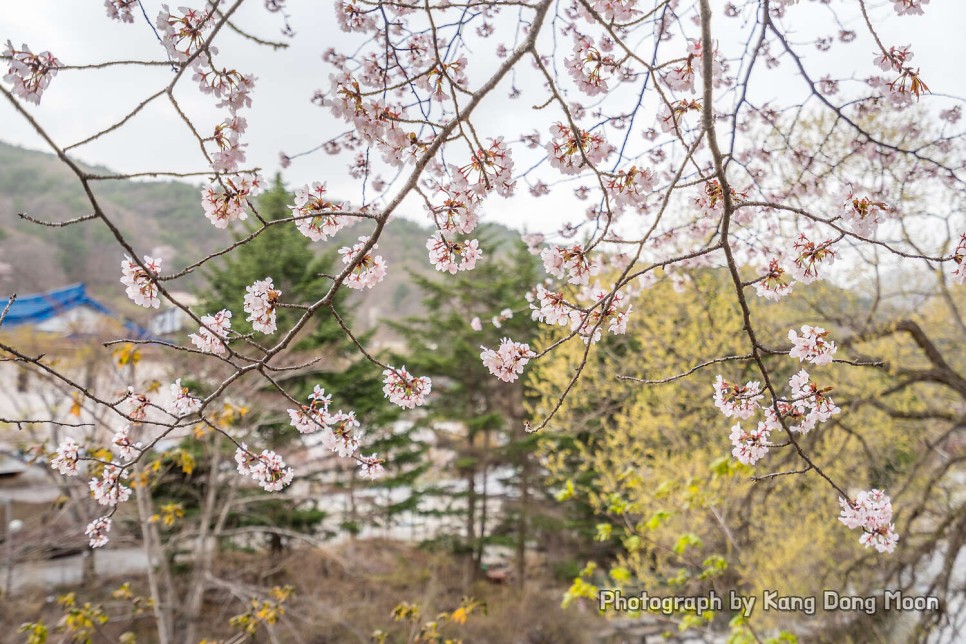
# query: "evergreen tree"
{"points": [[491, 445]]}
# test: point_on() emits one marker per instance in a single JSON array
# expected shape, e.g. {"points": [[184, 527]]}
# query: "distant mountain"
{"points": [[159, 218]]}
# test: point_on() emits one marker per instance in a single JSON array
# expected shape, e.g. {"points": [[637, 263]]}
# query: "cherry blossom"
{"points": [[750, 445], [226, 200], [267, 468], [476, 324], [231, 151], [605, 305], [29, 73], [370, 467], [183, 403], [507, 362], [808, 257], [139, 404], [231, 87], [341, 436], [97, 531], [314, 416], [123, 446], [774, 284], [120, 9], [809, 403], [872, 512], [443, 254], [589, 67], [863, 214], [368, 270], [141, 287], [404, 389], [211, 337], [66, 457], [909, 7], [552, 308], [572, 262], [570, 153], [260, 301], [737, 401], [812, 345], [108, 490], [314, 213], [183, 35]]}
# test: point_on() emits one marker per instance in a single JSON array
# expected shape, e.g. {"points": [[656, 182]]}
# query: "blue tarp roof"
{"points": [[36, 308]]}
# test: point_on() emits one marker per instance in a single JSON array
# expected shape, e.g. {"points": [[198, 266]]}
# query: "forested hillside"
{"points": [[159, 218]]}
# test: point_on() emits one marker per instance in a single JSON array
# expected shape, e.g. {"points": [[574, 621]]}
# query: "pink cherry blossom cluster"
{"points": [[314, 416], [29, 73], [267, 468], [894, 59], [812, 345], [232, 88], [491, 169], [139, 404], [809, 257], [370, 467], [504, 315], [313, 213], [184, 35], [589, 67], [457, 212], [808, 406], [553, 309], [367, 270], [681, 77], [507, 362], [225, 200], [404, 389], [711, 202], [337, 429], [352, 17], [909, 7], [862, 213], [571, 153], [736, 400], [212, 336], [141, 287], [671, 116], [630, 188], [750, 445], [120, 10], [606, 308], [231, 151], [261, 299], [97, 531], [443, 254], [183, 403], [774, 283], [123, 446], [67, 455], [108, 490], [872, 512], [572, 262], [440, 78]]}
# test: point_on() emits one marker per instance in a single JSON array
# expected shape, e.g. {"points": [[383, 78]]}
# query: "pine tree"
{"points": [[489, 413]]}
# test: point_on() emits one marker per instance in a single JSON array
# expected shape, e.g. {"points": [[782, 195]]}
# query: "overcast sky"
{"points": [[282, 117]]}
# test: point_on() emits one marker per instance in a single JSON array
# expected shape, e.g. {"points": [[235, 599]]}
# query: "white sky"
{"points": [[282, 117]]}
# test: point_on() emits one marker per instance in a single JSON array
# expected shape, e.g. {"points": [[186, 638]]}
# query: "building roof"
{"points": [[38, 308]]}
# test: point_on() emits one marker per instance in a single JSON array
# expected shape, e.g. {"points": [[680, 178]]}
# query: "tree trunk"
{"points": [[203, 551], [483, 469], [524, 514]]}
